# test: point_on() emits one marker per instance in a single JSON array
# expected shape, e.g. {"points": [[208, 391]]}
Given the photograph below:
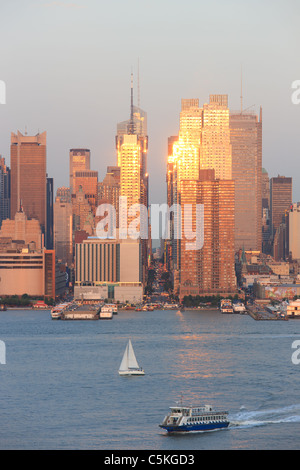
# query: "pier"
{"points": [[260, 313]]}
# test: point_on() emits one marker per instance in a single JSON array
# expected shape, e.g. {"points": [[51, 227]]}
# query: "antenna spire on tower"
{"points": [[131, 124], [138, 82], [241, 90]]}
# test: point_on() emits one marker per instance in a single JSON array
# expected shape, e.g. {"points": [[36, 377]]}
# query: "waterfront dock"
{"points": [[260, 313]]}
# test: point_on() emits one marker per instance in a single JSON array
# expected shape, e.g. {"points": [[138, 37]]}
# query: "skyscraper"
{"points": [[246, 142], [132, 149], [208, 270], [63, 234], [216, 146], [88, 181], [280, 200], [28, 176], [79, 161], [49, 240], [199, 172]]}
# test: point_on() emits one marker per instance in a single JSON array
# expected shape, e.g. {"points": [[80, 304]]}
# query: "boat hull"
{"points": [[195, 427], [131, 372]]}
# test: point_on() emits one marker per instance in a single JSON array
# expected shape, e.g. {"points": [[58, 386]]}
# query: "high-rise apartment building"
{"points": [[199, 172], [28, 176], [215, 145], [210, 269], [79, 161], [280, 200], [246, 143]]}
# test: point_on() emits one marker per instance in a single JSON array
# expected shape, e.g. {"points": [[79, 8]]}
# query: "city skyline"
{"points": [[79, 100]]}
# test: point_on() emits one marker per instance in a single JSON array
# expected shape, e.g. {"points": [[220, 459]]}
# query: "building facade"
{"points": [[109, 269], [280, 200], [246, 143], [28, 176], [79, 160]]}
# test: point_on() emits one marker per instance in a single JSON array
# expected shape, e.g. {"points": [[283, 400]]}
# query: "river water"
{"points": [[60, 387]]}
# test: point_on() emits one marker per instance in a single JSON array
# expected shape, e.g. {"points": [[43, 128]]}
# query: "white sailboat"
{"points": [[129, 364]]}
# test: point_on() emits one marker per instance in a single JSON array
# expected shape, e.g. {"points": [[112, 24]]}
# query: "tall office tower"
{"points": [[209, 269], [132, 142], [79, 161], [109, 189], [88, 181], [215, 146], [63, 227], [280, 200], [28, 176], [246, 142], [4, 191], [183, 164], [199, 171], [132, 149], [49, 238]]}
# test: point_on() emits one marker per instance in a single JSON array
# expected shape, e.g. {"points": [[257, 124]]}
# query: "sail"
{"points": [[129, 360], [132, 362], [124, 363]]}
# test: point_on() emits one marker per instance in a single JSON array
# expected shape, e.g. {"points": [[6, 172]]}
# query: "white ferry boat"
{"points": [[226, 306], [106, 313], [198, 418], [114, 308], [238, 307], [57, 311]]}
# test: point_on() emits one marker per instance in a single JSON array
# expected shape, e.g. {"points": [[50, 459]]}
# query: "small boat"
{"points": [[238, 307], [199, 418], [226, 306], [3, 308], [129, 364], [106, 313], [56, 313], [113, 307]]}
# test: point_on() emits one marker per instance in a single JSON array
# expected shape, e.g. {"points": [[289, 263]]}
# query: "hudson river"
{"points": [[60, 387]]}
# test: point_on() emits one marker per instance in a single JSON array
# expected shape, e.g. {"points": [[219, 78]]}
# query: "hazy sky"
{"points": [[67, 66]]}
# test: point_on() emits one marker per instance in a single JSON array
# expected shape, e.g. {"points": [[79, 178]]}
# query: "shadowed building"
{"points": [[246, 142], [28, 176]]}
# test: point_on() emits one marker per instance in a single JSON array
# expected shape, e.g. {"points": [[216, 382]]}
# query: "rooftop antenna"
{"points": [[138, 82], [25, 130], [131, 124], [241, 90]]}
